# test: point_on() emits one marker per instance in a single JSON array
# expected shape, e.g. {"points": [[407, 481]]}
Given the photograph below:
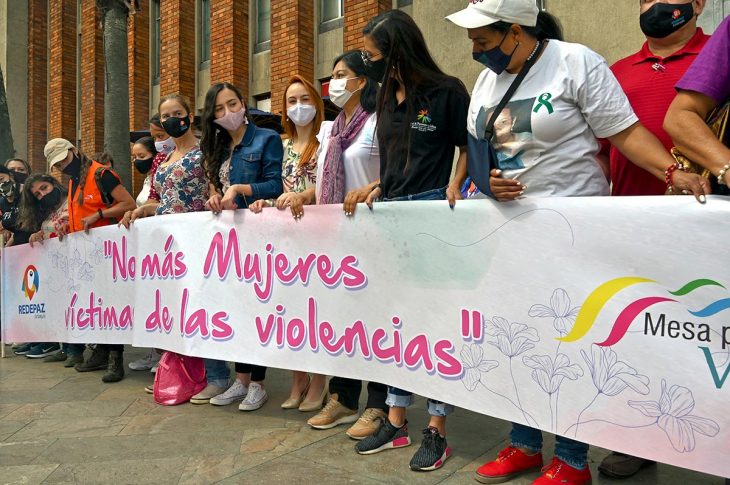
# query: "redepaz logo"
{"points": [[597, 300], [30, 282]]}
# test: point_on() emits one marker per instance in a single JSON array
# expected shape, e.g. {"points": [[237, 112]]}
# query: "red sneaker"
{"points": [[510, 462], [560, 472]]}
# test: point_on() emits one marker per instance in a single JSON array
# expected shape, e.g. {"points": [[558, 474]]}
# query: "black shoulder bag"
{"points": [[481, 155]]}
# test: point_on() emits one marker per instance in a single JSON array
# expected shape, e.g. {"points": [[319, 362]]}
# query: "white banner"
{"points": [[602, 319]]}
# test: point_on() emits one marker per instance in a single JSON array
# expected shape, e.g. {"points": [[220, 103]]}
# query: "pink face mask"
{"points": [[232, 120]]}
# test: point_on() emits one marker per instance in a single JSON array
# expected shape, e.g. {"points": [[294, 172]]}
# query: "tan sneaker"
{"points": [[368, 424], [204, 396], [332, 414]]}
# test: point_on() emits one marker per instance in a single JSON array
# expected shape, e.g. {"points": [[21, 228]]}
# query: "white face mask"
{"points": [[301, 114], [339, 94], [165, 146], [232, 120]]}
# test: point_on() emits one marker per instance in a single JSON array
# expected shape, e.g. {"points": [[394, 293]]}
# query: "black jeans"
{"points": [[258, 373], [348, 393], [113, 347]]}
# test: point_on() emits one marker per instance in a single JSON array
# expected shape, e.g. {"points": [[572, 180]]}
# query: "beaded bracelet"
{"points": [[669, 173], [721, 175]]}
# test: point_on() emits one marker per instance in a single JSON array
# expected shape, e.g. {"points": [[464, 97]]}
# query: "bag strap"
{"points": [[185, 367], [489, 132]]}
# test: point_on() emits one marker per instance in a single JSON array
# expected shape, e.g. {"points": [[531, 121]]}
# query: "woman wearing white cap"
{"points": [[565, 97]]}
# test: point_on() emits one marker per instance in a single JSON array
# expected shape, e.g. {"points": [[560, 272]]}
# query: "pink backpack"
{"points": [[178, 378]]}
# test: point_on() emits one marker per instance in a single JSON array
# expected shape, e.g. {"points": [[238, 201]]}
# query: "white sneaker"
{"points": [[147, 362], [234, 393], [154, 368], [255, 398]]}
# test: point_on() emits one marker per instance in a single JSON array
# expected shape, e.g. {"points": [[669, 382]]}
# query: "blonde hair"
{"points": [[290, 128]]}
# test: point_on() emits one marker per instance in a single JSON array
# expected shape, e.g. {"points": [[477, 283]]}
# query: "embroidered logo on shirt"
{"points": [[424, 122], [676, 14]]}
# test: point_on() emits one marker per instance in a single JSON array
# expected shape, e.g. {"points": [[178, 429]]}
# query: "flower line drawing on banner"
{"points": [[610, 377], [512, 340], [549, 375], [559, 309], [672, 415]]}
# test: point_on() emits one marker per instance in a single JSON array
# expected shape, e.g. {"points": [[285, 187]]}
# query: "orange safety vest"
{"points": [[92, 200]]}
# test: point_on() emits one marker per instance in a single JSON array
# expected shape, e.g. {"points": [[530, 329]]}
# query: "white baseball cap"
{"points": [[480, 13]]}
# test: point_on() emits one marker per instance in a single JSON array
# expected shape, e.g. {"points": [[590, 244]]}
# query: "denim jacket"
{"points": [[257, 161]]}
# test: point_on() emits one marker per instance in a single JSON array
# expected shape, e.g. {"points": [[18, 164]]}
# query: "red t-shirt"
{"points": [[648, 82]]}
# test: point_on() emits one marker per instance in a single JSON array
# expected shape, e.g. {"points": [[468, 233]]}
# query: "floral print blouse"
{"points": [[182, 185], [297, 178], [55, 221]]}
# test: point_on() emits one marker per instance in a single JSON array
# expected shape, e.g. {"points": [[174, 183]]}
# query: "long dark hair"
{"points": [[32, 214], [369, 94], [407, 57], [548, 27], [149, 144], [215, 141]]}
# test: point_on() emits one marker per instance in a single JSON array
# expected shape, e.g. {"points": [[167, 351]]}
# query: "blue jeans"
{"points": [[72, 350], [398, 398], [435, 194], [572, 452], [217, 372]]}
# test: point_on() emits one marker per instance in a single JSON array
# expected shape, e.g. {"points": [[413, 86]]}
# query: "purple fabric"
{"points": [[709, 74], [333, 173]]}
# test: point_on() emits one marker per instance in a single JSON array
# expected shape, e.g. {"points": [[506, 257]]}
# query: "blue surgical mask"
{"points": [[495, 59]]}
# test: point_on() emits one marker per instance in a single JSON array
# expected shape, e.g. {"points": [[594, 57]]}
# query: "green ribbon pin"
{"points": [[544, 100]]}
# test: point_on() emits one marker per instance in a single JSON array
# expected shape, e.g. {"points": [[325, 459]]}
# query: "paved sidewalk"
{"points": [[61, 426]]}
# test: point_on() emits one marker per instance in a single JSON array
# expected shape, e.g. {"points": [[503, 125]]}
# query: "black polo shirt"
{"points": [[436, 128]]}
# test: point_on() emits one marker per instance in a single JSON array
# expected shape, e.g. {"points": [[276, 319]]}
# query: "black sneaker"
{"points": [[432, 454], [23, 349], [385, 438], [43, 350]]}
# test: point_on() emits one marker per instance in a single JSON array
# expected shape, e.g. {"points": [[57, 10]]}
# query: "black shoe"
{"points": [[42, 350], [99, 360], [115, 369], [73, 360], [57, 357], [432, 454], [23, 349], [385, 438], [621, 465]]}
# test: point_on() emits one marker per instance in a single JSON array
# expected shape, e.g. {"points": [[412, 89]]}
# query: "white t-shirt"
{"points": [[361, 159], [546, 136], [144, 194]]}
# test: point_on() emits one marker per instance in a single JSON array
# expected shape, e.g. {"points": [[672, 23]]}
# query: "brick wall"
{"points": [[92, 79], [138, 55], [177, 52], [62, 70], [357, 15], [229, 43], [37, 83], [292, 45]]}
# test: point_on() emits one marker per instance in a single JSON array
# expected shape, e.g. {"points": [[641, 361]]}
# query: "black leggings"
{"points": [[348, 393], [258, 373]]}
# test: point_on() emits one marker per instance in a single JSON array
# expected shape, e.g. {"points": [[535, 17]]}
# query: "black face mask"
{"points": [[51, 199], [143, 165], [20, 177], [74, 167], [376, 70], [176, 127], [664, 19]]}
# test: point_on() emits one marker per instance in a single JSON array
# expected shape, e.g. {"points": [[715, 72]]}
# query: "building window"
{"points": [[330, 10], [263, 25], [155, 41], [404, 3], [204, 41]]}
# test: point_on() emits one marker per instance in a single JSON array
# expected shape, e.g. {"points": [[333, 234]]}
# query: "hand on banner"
{"points": [[36, 237], [692, 183], [259, 205], [296, 203], [228, 202], [62, 230], [214, 203], [284, 200], [90, 221], [131, 216], [504, 189], [357, 196], [373, 196], [453, 193]]}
